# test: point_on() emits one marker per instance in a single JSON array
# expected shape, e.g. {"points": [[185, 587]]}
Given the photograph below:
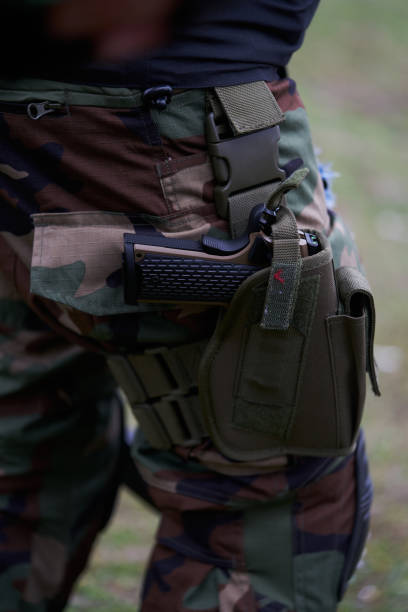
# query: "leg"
{"points": [[215, 516], [281, 541], [60, 447]]}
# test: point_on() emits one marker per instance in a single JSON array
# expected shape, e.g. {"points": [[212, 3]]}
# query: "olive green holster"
{"points": [[284, 372]]}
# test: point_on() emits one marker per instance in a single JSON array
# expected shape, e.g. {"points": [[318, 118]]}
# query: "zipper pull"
{"points": [[36, 110]]}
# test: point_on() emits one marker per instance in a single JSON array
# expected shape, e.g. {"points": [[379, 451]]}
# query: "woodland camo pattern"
{"points": [[272, 536]]}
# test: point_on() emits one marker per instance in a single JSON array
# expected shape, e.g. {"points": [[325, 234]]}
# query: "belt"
{"points": [[161, 387]]}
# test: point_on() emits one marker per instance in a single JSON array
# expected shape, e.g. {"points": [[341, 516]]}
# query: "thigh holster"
{"points": [[286, 374], [284, 371]]}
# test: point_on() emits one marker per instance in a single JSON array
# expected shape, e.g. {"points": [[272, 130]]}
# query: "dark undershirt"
{"points": [[216, 42]]}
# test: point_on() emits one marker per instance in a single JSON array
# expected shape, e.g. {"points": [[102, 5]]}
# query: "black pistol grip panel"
{"points": [[178, 279]]}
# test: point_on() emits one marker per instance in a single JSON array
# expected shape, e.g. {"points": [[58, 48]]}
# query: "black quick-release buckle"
{"points": [[242, 162]]}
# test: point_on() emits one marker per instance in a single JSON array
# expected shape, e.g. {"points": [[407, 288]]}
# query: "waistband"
{"points": [[22, 91], [27, 90]]}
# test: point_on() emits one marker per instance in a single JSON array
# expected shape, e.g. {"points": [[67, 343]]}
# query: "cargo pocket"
{"points": [[364, 496], [187, 186], [77, 260]]}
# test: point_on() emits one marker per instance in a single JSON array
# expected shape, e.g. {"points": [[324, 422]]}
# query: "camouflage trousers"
{"points": [[275, 535]]}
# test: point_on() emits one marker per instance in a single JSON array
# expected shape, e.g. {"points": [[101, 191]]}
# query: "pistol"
{"points": [[158, 268]]}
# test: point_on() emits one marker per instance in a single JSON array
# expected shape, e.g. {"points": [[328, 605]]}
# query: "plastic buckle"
{"points": [[268, 218], [242, 162]]}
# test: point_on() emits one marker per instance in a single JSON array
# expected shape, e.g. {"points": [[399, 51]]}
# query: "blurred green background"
{"points": [[352, 73]]}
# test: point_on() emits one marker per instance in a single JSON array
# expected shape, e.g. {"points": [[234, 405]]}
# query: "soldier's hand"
{"points": [[116, 28]]}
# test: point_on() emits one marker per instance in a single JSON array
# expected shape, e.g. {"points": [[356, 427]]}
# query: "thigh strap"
{"points": [[161, 387]]}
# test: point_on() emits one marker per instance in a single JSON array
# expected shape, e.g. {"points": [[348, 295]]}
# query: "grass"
{"points": [[351, 73], [112, 583]]}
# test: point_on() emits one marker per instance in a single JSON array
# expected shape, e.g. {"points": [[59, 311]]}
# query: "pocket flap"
{"points": [[77, 261]]}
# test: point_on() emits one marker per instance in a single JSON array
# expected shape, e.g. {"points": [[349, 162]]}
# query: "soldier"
{"points": [[272, 519]]}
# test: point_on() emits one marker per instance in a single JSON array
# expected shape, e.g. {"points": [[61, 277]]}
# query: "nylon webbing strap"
{"points": [[286, 262], [284, 274], [241, 204], [161, 387], [249, 106], [248, 110]]}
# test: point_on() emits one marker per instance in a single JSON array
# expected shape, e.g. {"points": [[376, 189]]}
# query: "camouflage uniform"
{"points": [[277, 535]]}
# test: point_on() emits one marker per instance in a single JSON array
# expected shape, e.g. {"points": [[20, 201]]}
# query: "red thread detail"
{"points": [[277, 276]]}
